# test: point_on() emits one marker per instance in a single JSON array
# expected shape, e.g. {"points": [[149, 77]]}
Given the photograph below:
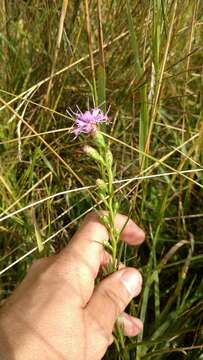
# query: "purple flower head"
{"points": [[86, 122]]}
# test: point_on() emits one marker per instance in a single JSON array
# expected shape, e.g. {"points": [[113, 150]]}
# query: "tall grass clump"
{"points": [[143, 59]]}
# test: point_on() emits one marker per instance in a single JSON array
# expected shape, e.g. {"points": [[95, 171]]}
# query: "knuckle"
{"points": [[36, 264], [41, 266], [116, 301], [90, 216]]}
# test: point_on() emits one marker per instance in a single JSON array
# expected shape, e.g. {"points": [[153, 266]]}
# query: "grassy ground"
{"points": [[144, 59]]}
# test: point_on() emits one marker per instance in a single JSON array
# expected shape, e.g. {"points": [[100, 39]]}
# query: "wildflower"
{"points": [[86, 122]]}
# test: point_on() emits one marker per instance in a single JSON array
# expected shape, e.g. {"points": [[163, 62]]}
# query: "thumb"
{"points": [[111, 297]]}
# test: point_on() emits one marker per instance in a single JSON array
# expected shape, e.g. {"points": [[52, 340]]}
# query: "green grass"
{"points": [[144, 58]]}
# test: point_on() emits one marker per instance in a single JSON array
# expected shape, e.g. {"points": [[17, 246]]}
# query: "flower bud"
{"points": [[99, 139], [101, 196], [107, 245], [102, 186], [90, 151], [104, 220], [116, 207], [109, 158]]}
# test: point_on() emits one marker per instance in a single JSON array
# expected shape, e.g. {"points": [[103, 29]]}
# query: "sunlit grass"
{"points": [[144, 60]]}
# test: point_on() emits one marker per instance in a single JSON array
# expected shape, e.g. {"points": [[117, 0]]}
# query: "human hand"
{"points": [[57, 312]]}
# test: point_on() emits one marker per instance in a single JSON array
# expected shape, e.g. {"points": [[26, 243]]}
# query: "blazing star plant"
{"points": [[100, 152]]}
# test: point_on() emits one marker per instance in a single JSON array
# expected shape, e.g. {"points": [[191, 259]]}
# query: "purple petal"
{"points": [[95, 112], [86, 122], [87, 116], [76, 131]]}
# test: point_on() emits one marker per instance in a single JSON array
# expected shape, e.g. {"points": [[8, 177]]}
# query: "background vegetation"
{"points": [[143, 58]]}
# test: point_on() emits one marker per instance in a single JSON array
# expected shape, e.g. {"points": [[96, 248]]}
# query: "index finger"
{"points": [[88, 240]]}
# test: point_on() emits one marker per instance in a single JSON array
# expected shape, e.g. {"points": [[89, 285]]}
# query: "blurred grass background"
{"points": [[144, 60]]}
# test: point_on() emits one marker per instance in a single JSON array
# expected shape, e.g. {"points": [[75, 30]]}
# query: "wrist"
{"points": [[6, 350], [19, 341], [12, 338]]}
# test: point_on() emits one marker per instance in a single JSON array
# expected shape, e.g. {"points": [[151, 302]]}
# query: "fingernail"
{"points": [[132, 280]]}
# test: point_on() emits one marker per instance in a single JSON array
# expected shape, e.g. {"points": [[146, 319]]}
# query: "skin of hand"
{"points": [[58, 313]]}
